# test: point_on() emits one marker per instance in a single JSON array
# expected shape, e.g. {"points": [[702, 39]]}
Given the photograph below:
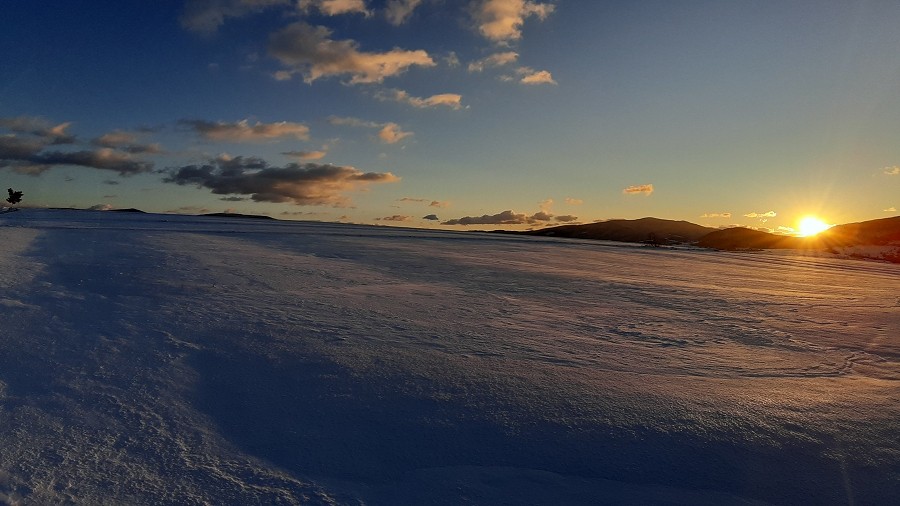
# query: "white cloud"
{"points": [[398, 11], [892, 171], [309, 49], [494, 60], [501, 20], [574, 202], [891, 210], [451, 100], [716, 215], [243, 131], [645, 189]]}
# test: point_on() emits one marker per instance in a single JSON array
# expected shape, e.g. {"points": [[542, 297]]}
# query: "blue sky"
{"points": [[476, 114]]}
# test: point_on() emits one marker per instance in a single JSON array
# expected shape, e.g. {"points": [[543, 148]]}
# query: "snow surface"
{"points": [[148, 359]]}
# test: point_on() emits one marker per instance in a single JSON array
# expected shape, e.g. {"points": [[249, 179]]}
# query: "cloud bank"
{"points": [[300, 184], [510, 217], [29, 155]]}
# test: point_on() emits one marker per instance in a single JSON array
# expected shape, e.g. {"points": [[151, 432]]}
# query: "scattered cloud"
{"points": [[243, 131], [501, 20], [566, 218], [716, 215], [769, 214], [431, 217], [431, 203], [494, 60], [785, 230], [111, 182], [451, 100], [334, 7], [310, 50], [891, 210], [306, 155], [398, 11], [206, 16], [644, 189], [892, 171], [354, 122], [451, 60], [546, 205], [531, 76], [396, 217], [391, 133], [388, 133], [574, 202], [300, 184], [100, 207], [115, 139], [234, 199]]}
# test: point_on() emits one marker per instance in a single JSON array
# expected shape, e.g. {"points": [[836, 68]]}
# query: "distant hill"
{"points": [[641, 230], [882, 232], [238, 215], [874, 239]]}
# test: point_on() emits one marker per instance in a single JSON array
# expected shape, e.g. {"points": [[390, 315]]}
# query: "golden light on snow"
{"points": [[810, 225]]}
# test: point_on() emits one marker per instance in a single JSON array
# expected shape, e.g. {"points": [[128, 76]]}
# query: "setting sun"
{"points": [[810, 225]]}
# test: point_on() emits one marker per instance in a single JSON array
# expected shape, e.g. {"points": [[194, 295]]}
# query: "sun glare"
{"points": [[810, 225]]}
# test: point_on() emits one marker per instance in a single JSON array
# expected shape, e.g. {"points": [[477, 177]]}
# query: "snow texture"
{"points": [[149, 359]]}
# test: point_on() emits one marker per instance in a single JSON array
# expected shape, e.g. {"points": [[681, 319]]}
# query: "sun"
{"points": [[810, 225]]}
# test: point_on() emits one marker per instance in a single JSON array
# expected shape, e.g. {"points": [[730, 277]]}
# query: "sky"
{"points": [[460, 115]]}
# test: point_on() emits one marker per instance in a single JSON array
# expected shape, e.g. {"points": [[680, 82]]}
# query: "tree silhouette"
{"points": [[14, 196]]}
